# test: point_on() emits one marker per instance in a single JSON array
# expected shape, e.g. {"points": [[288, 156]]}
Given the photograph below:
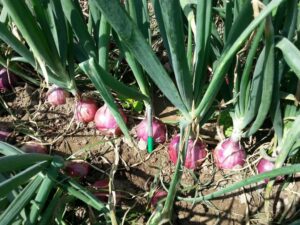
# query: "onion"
{"points": [[157, 196], [103, 194], [85, 110], [229, 154], [57, 96], [105, 121], [77, 169], [158, 129], [4, 135], [32, 147], [103, 184], [195, 154], [7, 80], [265, 165]]}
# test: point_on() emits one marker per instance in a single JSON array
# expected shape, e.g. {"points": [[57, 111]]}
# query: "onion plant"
{"points": [[92, 44], [138, 11], [252, 51], [190, 63], [58, 40], [32, 188], [48, 40]]}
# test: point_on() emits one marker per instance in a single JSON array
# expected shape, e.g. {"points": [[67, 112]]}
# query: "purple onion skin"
{"points": [[158, 195], [85, 110], [101, 194], [4, 135], [57, 96], [77, 169], [229, 154], [265, 165], [158, 129], [195, 155], [103, 184], [7, 81], [106, 123], [34, 148]]}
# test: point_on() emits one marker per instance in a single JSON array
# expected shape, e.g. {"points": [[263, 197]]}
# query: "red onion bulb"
{"points": [[195, 154], [34, 148], [265, 165], [85, 110], [57, 96], [158, 195], [77, 169], [229, 154], [158, 129], [7, 80], [101, 194], [105, 121], [4, 135], [101, 184]]}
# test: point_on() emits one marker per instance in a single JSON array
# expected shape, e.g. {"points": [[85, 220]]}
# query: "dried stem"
{"points": [[112, 193]]}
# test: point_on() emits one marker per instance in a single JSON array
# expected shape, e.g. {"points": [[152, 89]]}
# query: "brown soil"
{"points": [[139, 172]]}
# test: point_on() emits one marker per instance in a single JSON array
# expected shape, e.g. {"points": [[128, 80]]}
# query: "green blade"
{"points": [[103, 43], [59, 30], [291, 54], [162, 29], [7, 149], [84, 195], [118, 86], [42, 17], [288, 142], [15, 68], [143, 19], [247, 70], [39, 44], [139, 47], [20, 202], [75, 18], [251, 180], [33, 34], [202, 48], [42, 196], [268, 79], [135, 67], [174, 30], [47, 215], [253, 101], [227, 56], [11, 40], [18, 162], [21, 178], [275, 110], [3, 15]]}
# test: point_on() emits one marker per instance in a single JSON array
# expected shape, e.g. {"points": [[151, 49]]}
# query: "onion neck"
{"points": [[237, 131]]}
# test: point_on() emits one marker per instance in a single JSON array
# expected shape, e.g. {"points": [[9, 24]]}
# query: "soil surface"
{"points": [[139, 174]]}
